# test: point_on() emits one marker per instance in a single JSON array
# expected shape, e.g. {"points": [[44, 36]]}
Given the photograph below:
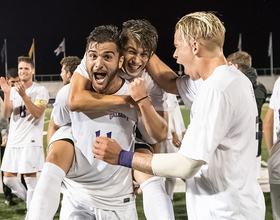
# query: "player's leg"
{"points": [[156, 203], [31, 182], [12, 181], [46, 197], [275, 200]]}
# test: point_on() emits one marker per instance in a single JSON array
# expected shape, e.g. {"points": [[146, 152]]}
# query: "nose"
{"points": [[137, 58], [98, 64], [175, 56]]}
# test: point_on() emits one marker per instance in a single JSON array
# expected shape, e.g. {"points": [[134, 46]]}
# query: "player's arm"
{"points": [[155, 121], [37, 108], [162, 74], [82, 99], [268, 128], [52, 128], [167, 165]]}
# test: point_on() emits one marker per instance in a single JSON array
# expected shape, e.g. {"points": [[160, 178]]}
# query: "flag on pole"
{"points": [[270, 45], [31, 51], [61, 48], [3, 52], [240, 42]]}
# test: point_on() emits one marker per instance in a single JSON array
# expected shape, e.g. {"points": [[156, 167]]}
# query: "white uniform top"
{"points": [[24, 129], [223, 134], [188, 89], [273, 160], [175, 119], [157, 95], [106, 186]]}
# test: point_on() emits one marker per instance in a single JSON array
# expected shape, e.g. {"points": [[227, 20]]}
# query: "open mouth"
{"points": [[100, 77], [134, 67]]}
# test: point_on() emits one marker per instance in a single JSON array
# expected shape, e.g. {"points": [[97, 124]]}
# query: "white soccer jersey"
{"points": [[24, 129], [94, 182], [157, 94], [273, 160], [188, 89], [223, 134]]}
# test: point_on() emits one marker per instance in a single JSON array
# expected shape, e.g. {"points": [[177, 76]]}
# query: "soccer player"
{"points": [[94, 189], [25, 106], [271, 129], [69, 64], [139, 42], [217, 156], [243, 61]]}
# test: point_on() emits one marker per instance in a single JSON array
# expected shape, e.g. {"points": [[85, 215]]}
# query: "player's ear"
{"points": [[121, 60], [195, 46]]}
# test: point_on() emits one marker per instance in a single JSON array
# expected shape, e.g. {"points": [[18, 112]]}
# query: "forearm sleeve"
{"points": [[175, 165]]}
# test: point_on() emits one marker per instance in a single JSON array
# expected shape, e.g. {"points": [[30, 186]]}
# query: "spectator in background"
{"points": [[25, 104], [243, 61], [271, 128], [12, 78]]}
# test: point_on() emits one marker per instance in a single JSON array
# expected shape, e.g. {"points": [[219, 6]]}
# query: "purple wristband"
{"points": [[125, 158]]}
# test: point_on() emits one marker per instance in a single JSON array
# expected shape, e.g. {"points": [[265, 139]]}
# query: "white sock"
{"points": [[16, 186], [46, 196], [157, 204], [169, 186], [31, 183]]}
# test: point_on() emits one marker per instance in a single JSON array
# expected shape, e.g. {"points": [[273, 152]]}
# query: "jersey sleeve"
{"points": [[272, 100], [61, 113], [212, 116], [81, 68], [42, 95], [157, 94], [188, 89]]}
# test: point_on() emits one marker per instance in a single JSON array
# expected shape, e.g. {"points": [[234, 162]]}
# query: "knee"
{"points": [[10, 181]]}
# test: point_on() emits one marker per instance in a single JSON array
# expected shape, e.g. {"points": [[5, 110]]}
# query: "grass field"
{"points": [[18, 212]]}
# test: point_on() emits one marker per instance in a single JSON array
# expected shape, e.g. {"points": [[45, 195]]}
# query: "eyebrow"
{"points": [[105, 52]]}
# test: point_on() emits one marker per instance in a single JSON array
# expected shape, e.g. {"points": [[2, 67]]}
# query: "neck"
{"points": [[114, 85], [209, 64], [27, 84]]}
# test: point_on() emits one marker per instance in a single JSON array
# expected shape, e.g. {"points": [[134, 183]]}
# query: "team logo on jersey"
{"points": [[118, 115]]}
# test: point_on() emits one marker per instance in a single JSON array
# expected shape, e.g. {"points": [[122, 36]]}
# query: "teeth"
{"points": [[100, 80]]}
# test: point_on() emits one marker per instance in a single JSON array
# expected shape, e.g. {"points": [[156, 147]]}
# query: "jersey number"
{"points": [[257, 128], [22, 111], [109, 134]]}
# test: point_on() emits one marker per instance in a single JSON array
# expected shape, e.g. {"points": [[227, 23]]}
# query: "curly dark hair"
{"points": [[103, 34], [71, 63], [142, 32]]}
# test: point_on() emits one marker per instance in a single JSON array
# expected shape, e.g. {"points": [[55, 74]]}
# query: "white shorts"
{"points": [[27, 159], [70, 211], [168, 147], [273, 164]]}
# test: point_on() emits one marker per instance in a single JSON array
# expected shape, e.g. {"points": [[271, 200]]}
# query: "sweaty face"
{"points": [[64, 76], [184, 55], [103, 63], [135, 59], [25, 71], [12, 81]]}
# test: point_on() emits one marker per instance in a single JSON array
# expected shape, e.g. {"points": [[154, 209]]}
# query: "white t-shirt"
{"points": [[188, 89], [222, 133], [273, 160], [107, 186], [157, 95], [24, 129]]}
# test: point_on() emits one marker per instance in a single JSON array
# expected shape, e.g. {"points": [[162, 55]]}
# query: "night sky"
{"points": [[48, 22]]}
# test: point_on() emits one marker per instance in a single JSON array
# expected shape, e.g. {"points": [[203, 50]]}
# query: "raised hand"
{"points": [[4, 85]]}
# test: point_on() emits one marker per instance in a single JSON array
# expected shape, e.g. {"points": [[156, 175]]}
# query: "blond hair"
{"points": [[201, 25]]}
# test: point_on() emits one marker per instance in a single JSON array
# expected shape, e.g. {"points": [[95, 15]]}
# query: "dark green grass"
{"points": [[18, 212]]}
